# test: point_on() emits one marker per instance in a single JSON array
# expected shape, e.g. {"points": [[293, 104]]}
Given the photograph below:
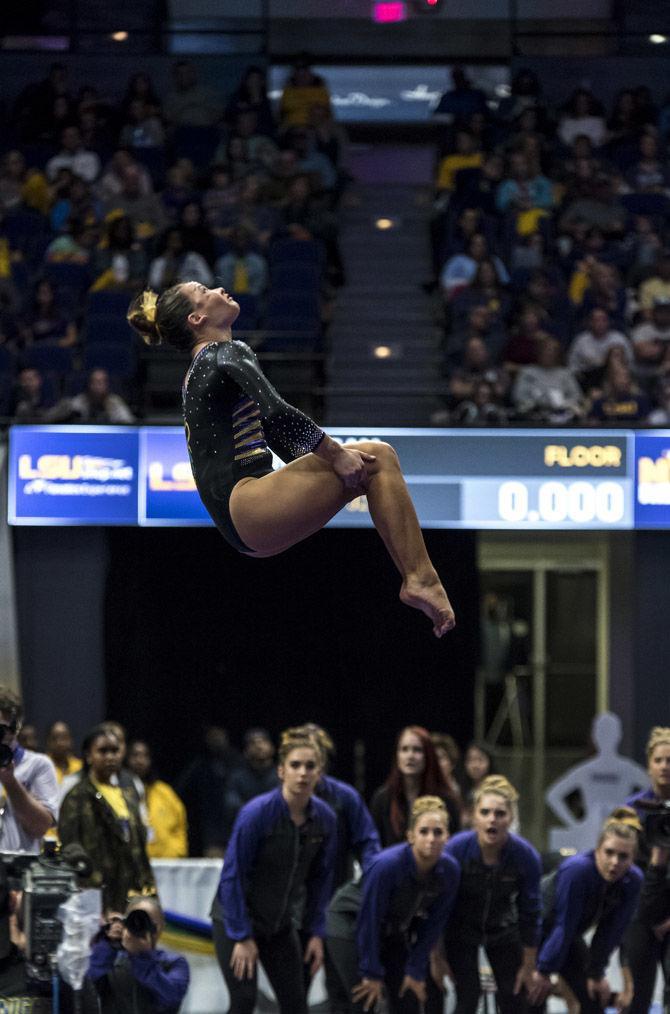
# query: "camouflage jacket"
{"points": [[120, 863]]}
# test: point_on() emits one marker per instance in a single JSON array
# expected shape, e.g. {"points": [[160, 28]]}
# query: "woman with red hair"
{"points": [[415, 772]]}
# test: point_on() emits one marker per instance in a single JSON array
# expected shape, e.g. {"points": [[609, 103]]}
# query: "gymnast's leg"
{"points": [[280, 509]]}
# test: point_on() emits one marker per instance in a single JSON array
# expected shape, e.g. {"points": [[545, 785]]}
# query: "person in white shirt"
{"points": [[74, 156], [28, 787], [590, 348]]}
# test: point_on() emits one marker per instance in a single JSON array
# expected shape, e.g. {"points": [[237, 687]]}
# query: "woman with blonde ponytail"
{"points": [[498, 905], [234, 420], [595, 890]]}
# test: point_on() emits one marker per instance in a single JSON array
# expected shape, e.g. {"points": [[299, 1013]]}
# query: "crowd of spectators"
{"points": [[101, 195], [551, 249]]}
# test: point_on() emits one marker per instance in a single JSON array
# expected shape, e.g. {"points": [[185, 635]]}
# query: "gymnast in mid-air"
{"points": [[235, 418]]}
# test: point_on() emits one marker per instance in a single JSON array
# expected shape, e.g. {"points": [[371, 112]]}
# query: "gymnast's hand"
{"points": [[368, 992], [416, 986], [313, 955], [350, 464], [243, 959]]}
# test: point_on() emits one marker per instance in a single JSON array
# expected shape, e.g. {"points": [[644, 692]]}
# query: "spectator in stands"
{"points": [[235, 153], [190, 104], [656, 287], [260, 150], [195, 233], [255, 775], [448, 756], [242, 270], [582, 115], [478, 764], [29, 738], [251, 96], [602, 290], [484, 408], [128, 969], [306, 218], [76, 203], [415, 772], [74, 156], [547, 391], [33, 108], [110, 184], [60, 749], [486, 290], [621, 402], [302, 90], [330, 137], [180, 188], [310, 160], [520, 192], [119, 261], [461, 269], [30, 401], [96, 404], [144, 209], [140, 87], [73, 246], [527, 337], [480, 192], [649, 175], [12, 179], [589, 349], [526, 91], [202, 785], [660, 415], [177, 264], [623, 125], [466, 155], [651, 341], [483, 332], [462, 100], [163, 812], [142, 127], [29, 789], [220, 199], [45, 321], [476, 365], [103, 817], [255, 213]]}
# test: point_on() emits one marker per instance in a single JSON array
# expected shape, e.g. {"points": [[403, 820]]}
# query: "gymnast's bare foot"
{"points": [[428, 595]]}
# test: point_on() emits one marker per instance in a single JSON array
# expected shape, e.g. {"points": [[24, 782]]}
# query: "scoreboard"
{"points": [[513, 479]]}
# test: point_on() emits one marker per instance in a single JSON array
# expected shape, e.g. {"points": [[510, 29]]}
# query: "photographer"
{"points": [[28, 788], [647, 941], [130, 972]]}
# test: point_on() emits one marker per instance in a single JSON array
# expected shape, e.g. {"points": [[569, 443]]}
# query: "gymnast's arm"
{"points": [[289, 432]]}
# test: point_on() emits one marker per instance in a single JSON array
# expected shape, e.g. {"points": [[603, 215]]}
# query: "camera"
{"points": [[139, 923], [47, 881], [657, 822]]}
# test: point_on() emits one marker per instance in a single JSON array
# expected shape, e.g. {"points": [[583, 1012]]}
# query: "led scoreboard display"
{"points": [[482, 479], [512, 478]]}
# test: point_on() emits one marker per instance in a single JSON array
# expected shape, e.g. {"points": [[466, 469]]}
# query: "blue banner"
{"points": [[167, 490], [67, 475], [652, 473], [479, 479]]}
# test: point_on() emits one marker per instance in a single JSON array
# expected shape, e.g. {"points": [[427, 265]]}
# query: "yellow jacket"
{"points": [[167, 838]]}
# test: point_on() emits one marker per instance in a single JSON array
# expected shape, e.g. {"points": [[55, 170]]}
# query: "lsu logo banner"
{"points": [[73, 475], [652, 465], [167, 494]]}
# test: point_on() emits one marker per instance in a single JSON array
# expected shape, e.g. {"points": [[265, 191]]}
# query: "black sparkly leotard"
{"points": [[233, 416]]}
